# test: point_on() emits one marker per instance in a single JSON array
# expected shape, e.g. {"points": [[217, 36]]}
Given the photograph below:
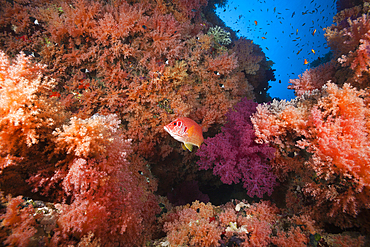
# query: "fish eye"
{"points": [[174, 123]]}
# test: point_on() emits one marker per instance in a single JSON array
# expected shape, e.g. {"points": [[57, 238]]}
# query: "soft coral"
{"points": [[234, 155]]}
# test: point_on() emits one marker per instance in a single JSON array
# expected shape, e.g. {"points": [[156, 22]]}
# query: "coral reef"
{"points": [[21, 221], [135, 60], [348, 39], [349, 56], [81, 164], [234, 156], [313, 79], [221, 36], [84, 105], [239, 223], [254, 67], [86, 87], [192, 226], [322, 135], [323, 138]]}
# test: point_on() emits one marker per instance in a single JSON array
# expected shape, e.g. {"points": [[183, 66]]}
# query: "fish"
{"points": [[54, 94], [187, 131], [255, 22], [305, 61]]}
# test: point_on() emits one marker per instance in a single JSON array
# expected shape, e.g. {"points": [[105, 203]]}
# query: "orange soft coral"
{"points": [[26, 109], [323, 138], [86, 138], [313, 79], [140, 63], [349, 40], [20, 221], [192, 226], [29, 116]]}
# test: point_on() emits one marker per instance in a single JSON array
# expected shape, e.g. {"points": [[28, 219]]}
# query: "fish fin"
{"points": [[189, 146], [183, 146], [191, 131]]}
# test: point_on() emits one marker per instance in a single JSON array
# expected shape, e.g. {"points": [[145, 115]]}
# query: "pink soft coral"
{"points": [[233, 155]]}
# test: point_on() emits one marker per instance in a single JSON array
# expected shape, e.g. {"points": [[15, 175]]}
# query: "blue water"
{"points": [[288, 29]]}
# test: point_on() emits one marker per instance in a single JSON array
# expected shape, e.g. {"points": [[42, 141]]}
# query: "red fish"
{"points": [[187, 131], [54, 94]]}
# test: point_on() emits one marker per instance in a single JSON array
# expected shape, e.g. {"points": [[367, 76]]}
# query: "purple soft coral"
{"points": [[234, 155]]}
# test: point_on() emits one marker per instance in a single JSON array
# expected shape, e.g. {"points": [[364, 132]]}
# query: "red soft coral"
{"points": [[193, 226], [86, 138], [95, 188], [146, 62], [28, 118], [349, 40], [359, 61], [21, 221], [313, 79], [324, 141], [260, 224], [25, 107]]}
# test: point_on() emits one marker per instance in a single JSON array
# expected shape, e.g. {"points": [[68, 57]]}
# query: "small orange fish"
{"points": [[314, 31], [54, 94], [83, 85], [263, 37], [305, 61], [187, 131], [255, 22], [23, 37], [313, 51]]}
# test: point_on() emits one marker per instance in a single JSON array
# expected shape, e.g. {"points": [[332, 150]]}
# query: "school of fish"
{"points": [[283, 15]]}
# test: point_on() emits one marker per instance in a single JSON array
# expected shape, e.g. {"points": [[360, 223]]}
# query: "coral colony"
{"points": [[87, 87]]}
